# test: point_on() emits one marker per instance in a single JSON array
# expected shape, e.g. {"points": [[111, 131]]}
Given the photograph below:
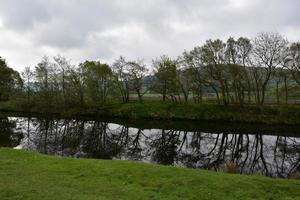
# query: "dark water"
{"points": [[249, 152]]}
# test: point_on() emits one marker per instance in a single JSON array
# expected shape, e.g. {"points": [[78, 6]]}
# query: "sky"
{"points": [[106, 29]]}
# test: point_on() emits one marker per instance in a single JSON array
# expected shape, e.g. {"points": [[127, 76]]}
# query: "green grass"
{"points": [[233, 113], [268, 114], [26, 175], [8, 105]]}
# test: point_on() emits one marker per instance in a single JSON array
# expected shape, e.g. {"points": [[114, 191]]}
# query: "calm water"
{"points": [[260, 152]]}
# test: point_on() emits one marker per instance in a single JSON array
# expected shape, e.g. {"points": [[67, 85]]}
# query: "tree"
{"points": [[165, 72], [98, 78], [190, 76], [52, 82], [281, 75], [61, 65], [43, 81], [231, 52], [122, 78], [269, 50], [293, 61], [244, 49], [76, 84], [236, 54], [213, 56], [184, 78], [137, 71], [27, 76], [237, 76], [10, 80]]}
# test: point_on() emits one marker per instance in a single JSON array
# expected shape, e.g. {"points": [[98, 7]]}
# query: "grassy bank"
{"points": [[249, 114], [269, 114], [25, 175]]}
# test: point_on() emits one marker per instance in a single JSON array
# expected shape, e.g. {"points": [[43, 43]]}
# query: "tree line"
{"points": [[237, 71]]}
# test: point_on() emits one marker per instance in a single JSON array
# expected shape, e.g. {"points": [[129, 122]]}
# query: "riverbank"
{"points": [[26, 175], [269, 114]]}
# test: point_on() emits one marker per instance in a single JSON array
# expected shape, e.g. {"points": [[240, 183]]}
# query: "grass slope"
{"points": [[25, 175]]}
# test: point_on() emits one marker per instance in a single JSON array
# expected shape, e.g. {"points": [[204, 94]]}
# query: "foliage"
{"points": [[98, 78], [10, 81], [166, 77], [239, 71]]}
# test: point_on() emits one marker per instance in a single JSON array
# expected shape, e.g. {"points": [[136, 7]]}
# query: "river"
{"points": [[246, 149]]}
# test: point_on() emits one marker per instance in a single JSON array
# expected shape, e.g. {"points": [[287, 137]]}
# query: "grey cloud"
{"points": [[23, 15], [137, 29]]}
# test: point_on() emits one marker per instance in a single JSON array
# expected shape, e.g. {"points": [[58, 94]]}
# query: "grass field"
{"points": [[26, 175], [268, 114], [250, 114]]}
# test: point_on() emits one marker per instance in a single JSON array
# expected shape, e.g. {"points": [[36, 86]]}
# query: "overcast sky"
{"points": [[105, 29]]}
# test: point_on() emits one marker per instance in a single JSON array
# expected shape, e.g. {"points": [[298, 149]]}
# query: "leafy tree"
{"points": [[244, 49], [212, 55], [189, 77], [10, 80], [194, 67], [76, 85], [231, 52], [234, 70], [165, 71], [99, 80]]}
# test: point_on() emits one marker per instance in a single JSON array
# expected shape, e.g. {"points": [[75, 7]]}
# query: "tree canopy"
{"points": [[9, 80]]}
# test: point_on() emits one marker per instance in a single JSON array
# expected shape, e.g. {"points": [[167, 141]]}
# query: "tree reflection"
{"points": [[258, 154], [164, 147], [9, 136]]}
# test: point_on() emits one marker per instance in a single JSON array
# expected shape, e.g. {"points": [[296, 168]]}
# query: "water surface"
{"points": [[255, 151]]}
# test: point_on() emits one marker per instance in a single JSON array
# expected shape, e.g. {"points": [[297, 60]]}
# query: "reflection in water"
{"points": [[259, 154], [9, 136]]}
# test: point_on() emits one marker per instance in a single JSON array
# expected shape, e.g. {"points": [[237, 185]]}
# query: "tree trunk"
{"points": [[286, 90], [200, 94], [217, 94], [277, 91], [139, 95]]}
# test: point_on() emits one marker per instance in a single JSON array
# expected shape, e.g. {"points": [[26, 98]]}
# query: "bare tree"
{"points": [[43, 82], [269, 49], [122, 78], [137, 72], [293, 61], [27, 75], [62, 65]]}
